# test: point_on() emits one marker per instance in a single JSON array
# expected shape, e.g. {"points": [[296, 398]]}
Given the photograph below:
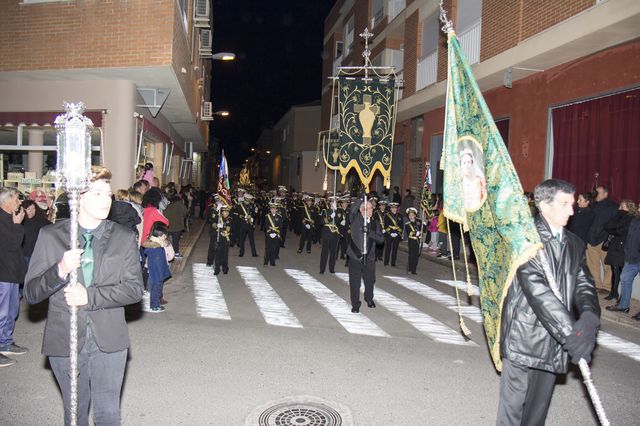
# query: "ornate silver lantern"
{"points": [[73, 172]]}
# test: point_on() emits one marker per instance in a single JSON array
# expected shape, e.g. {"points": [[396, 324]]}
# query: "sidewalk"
{"points": [[618, 317], [187, 242]]}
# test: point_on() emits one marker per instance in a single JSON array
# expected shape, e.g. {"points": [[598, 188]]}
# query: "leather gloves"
{"points": [[582, 340]]}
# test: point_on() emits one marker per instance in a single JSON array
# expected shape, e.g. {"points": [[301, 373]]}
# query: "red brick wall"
{"points": [[527, 103], [411, 49], [506, 23], [85, 34]]}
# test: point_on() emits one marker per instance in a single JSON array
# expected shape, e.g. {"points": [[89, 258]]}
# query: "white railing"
{"points": [[427, 70], [395, 7], [377, 17], [470, 42], [348, 43]]}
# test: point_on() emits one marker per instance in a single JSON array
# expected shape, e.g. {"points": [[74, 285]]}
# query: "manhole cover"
{"points": [[300, 414], [301, 411]]}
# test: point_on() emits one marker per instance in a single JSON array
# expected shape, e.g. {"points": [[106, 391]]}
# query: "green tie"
{"points": [[86, 260]]}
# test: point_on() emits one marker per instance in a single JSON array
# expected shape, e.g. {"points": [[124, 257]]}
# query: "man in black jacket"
{"points": [[362, 267], [109, 278], [538, 328], [12, 270], [604, 210]]}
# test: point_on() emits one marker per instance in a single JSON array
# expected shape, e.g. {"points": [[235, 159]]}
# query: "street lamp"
{"points": [[223, 56]]}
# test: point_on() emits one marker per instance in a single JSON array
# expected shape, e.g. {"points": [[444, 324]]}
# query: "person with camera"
{"points": [[12, 271]]}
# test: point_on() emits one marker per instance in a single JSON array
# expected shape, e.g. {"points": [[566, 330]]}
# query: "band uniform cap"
{"points": [[248, 196], [393, 204], [383, 202], [274, 205], [412, 209]]}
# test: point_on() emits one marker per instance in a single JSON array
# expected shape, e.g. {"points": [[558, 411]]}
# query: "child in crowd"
{"points": [[157, 252]]}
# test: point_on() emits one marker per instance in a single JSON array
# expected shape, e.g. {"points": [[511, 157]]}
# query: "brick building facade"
{"points": [[529, 58], [117, 57]]}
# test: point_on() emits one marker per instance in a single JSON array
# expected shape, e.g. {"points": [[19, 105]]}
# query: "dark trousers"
{"points": [[213, 243], [306, 236], [414, 255], [391, 249], [222, 256], [329, 251], [283, 233], [99, 383], [272, 247], [359, 272], [246, 230], [175, 240], [615, 280], [525, 395], [9, 308], [342, 246], [380, 250]]}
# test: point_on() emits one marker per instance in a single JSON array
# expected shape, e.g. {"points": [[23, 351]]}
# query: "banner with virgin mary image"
{"points": [[366, 115], [481, 190]]}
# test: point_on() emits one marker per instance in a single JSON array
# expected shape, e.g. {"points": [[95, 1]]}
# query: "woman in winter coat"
{"points": [[618, 227]]}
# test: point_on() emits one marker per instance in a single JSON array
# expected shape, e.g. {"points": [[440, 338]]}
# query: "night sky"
{"points": [[278, 47]]}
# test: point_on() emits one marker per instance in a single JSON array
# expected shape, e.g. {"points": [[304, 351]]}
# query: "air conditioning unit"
{"points": [[206, 43], [207, 111], [201, 12]]}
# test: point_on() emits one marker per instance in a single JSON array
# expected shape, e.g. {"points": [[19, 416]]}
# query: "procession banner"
{"points": [[330, 141], [482, 192], [367, 110], [224, 188]]}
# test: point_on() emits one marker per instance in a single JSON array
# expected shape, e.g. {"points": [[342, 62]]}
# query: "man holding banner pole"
{"points": [[362, 258], [538, 329]]}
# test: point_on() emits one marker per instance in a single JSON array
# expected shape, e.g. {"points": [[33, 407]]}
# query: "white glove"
{"points": [[418, 233], [272, 235], [343, 223], [384, 231], [220, 226], [333, 214], [307, 226], [393, 235]]}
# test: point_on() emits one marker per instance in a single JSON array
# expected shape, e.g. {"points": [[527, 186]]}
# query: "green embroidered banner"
{"points": [[482, 191], [366, 112], [330, 142]]}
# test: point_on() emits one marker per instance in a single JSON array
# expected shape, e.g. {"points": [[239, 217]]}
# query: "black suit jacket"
{"points": [[117, 282]]}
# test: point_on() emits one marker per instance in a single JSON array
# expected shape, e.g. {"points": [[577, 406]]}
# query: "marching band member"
{"points": [[272, 234], [393, 227], [330, 237], [413, 231]]}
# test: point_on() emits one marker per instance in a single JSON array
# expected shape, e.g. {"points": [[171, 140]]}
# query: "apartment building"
{"points": [[561, 78], [287, 153], [141, 67]]}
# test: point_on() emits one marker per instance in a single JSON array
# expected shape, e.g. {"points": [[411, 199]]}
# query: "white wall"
{"points": [[117, 97]]}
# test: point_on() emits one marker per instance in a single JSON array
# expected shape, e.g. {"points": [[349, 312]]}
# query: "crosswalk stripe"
{"points": [[209, 298], [424, 323], [619, 345], [461, 285], [273, 309], [336, 306], [609, 341], [469, 311]]}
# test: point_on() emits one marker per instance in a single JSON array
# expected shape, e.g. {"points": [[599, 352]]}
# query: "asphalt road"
{"points": [[288, 336]]}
